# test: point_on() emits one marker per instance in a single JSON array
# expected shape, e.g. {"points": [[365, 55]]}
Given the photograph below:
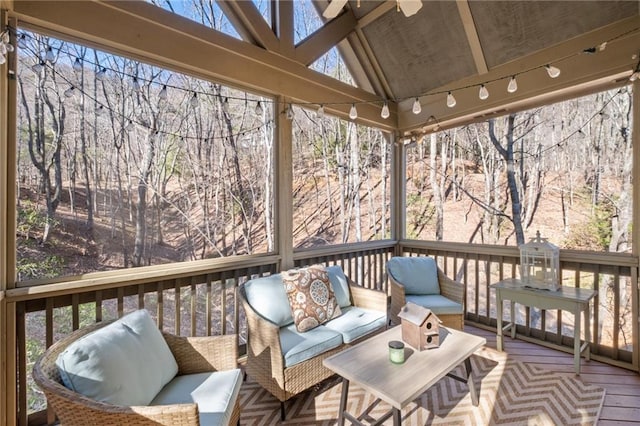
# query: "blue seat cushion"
{"points": [[268, 297], [418, 275], [340, 285], [357, 322], [124, 363], [439, 305], [214, 393], [298, 347]]}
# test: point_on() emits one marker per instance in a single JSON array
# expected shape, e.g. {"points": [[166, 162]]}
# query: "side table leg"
{"points": [[472, 387], [587, 331], [343, 401], [513, 319], [397, 419], [499, 321], [576, 340]]}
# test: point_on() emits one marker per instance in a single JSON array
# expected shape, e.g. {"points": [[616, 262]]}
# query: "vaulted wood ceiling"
{"points": [[448, 45]]}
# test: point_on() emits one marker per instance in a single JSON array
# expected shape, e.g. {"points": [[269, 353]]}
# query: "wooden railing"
{"points": [[198, 299], [614, 324]]}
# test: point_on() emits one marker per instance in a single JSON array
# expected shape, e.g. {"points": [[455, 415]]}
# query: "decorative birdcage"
{"points": [[539, 264]]}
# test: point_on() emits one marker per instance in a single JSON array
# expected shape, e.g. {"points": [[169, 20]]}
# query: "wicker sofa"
{"points": [[204, 390], [419, 280], [286, 362]]}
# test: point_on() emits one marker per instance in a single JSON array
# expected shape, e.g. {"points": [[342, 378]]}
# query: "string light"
{"points": [[136, 85], [385, 111], [289, 112], [101, 74], [38, 67], [320, 111], [194, 100], [417, 108], [130, 126], [77, 65], [22, 41], [225, 105], [5, 46], [259, 110], [163, 93], [353, 112], [69, 92], [451, 101], [49, 56], [553, 72], [483, 93]]}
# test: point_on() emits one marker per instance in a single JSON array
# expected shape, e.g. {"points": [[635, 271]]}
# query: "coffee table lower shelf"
{"points": [[367, 365]]}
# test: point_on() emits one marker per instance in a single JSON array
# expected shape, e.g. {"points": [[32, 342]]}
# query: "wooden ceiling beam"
{"points": [[321, 41], [374, 64], [285, 27], [472, 36], [376, 13], [142, 33], [249, 23]]}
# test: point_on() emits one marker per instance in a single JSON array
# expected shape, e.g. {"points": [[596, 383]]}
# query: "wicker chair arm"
{"points": [[263, 334], [204, 354], [368, 298], [398, 299], [451, 289]]}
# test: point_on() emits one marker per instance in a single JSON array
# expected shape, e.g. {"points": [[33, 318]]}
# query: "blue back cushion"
{"points": [[418, 275], [267, 296], [340, 285]]}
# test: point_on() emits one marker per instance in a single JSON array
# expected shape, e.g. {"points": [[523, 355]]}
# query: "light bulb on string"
{"points": [[320, 111], [259, 109], [100, 110], [385, 110], [69, 92], [163, 93], [130, 126], [49, 56], [22, 41], [353, 112], [101, 74], [483, 93], [553, 72], [225, 105], [194, 100], [136, 85], [417, 108], [77, 65], [513, 85], [289, 112], [634, 76], [38, 67], [451, 101]]}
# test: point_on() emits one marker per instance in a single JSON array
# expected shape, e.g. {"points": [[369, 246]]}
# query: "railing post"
{"points": [[635, 143]]}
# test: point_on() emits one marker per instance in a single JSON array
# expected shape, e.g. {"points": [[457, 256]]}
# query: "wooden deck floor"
{"points": [[622, 402]]}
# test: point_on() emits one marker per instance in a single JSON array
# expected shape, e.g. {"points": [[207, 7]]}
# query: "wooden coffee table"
{"points": [[368, 365]]}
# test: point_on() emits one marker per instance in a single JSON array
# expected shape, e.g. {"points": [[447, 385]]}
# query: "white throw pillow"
{"points": [[125, 363]]}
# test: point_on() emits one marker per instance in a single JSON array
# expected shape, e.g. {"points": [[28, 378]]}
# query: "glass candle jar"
{"points": [[396, 352]]}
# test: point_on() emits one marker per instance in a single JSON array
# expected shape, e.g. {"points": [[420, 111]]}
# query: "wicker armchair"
{"points": [[449, 289], [193, 355], [265, 357]]}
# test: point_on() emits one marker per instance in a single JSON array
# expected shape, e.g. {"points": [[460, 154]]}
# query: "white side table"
{"points": [[571, 299]]}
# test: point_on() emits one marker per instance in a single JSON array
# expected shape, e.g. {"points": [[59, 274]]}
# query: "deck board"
{"points": [[622, 403]]}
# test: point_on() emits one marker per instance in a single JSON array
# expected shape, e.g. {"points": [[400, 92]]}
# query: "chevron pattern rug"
{"points": [[510, 392]]}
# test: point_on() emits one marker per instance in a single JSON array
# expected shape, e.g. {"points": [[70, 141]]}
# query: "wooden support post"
{"points": [[635, 303], [283, 176], [8, 402], [398, 211]]}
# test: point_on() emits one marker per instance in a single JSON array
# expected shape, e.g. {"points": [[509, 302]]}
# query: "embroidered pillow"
{"points": [[311, 296]]}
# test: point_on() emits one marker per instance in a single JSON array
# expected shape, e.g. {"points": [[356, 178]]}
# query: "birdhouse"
{"points": [[420, 327], [539, 264]]}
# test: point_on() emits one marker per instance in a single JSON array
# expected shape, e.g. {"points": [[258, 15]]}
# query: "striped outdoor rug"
{"points": [[510, 392]]}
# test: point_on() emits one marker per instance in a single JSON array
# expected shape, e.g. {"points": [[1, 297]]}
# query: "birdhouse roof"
{"points": [[415, 314]]}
